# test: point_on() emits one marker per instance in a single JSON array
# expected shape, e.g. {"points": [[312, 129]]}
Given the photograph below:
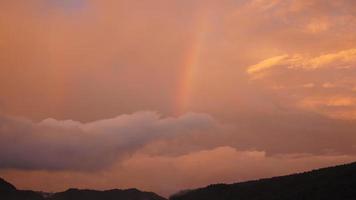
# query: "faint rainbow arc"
{"points": [[191, 61]]}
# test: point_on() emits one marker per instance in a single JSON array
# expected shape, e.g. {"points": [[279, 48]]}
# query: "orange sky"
{"points": [[174, 88]]}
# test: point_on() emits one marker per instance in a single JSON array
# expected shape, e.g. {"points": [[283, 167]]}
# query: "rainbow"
{"points": [[191, 61]]}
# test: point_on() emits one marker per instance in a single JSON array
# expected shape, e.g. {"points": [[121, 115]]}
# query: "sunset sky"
{"points": [[164, 95]]}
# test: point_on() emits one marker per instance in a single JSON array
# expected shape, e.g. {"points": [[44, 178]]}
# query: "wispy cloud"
{"points": [[322, 84]]}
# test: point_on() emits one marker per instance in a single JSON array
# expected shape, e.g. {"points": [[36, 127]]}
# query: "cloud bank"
{"points": [[71, 145]]}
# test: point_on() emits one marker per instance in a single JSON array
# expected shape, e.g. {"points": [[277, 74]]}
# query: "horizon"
{"points": [[201, 187], [168, 95]]}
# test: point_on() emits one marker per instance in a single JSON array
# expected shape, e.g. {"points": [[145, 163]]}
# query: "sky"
{"points": [[168, 95]]}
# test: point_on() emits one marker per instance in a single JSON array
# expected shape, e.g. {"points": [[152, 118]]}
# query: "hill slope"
{"points": [[333, 183], [5, 186], [130, 194], [9, 192], [336, 183]]}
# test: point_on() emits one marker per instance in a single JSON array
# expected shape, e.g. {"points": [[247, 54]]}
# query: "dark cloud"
{"points": [[70, 145], [280, 133]]}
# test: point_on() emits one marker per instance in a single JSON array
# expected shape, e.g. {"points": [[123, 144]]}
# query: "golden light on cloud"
{"points": [[267, 64], [342, 59], [334, 107], [331, 71]]}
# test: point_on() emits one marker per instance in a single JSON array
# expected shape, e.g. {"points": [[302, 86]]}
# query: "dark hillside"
{"points": [[130, 194], [333, 183], [5, 186], [9, 192]]}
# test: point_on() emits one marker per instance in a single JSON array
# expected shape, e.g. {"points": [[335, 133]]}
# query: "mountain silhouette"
{"points": [[116, 194], [333, 183], [6, 187], [9, 192]]}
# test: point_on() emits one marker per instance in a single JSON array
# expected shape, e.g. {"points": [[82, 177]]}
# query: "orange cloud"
{"points": [[321, 84]]}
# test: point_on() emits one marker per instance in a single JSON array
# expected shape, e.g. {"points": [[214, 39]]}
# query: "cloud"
{"points": [[101, 51], [341, 59], [269, 63], [323, 84], [282, 132], [167, 175], [70, 145], [96, 146]]}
